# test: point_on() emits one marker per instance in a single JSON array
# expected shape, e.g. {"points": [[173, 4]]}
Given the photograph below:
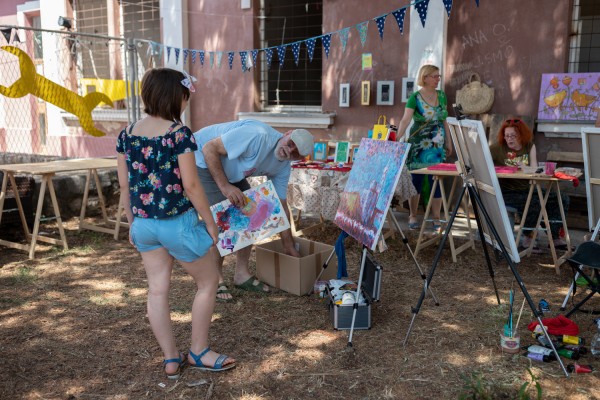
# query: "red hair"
{"points": [[521, 128]]}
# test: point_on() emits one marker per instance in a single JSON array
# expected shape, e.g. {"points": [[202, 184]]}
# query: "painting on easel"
{"points": [[367, 196]]}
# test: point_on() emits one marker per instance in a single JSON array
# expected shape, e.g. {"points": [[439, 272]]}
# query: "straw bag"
{"points": [[475, 97]]}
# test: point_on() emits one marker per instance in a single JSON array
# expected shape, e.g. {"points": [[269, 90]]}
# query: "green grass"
{"points": [[23, 276]]}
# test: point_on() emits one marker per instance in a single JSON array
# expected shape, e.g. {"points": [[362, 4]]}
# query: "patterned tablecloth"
{"points": [[316, 190]]}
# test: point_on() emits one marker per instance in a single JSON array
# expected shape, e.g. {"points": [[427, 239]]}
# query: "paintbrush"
{"points": [[519, 317]]}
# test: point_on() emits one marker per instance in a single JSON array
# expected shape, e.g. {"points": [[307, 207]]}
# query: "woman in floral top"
{"points": [[429, 144], [163, 197]]}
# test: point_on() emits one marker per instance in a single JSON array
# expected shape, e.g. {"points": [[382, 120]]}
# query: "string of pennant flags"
{"points": [[248, 57]]}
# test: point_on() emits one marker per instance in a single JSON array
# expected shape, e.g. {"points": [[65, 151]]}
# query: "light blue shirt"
{"points": [[250, 147]]}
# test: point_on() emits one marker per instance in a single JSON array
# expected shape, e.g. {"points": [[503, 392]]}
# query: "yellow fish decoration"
{"points": [[33, 83]]}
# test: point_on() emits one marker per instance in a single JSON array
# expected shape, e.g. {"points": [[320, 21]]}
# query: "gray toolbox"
{"points": [[341, 314]]}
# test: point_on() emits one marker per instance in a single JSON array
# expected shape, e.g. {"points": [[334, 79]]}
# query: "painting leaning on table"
{"points": [[569, 96]]}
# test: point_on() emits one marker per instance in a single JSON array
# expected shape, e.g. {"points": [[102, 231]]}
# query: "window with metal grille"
{"points": [[93, 56], [585, 43], [291, 86], [141, 20]]}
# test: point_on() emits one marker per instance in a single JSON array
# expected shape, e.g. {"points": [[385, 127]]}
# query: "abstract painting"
{"points": [[261, 217], [367, 196], [569, 96]]}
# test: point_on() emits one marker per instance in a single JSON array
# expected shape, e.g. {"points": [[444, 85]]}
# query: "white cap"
{"points": [[303, 141]]}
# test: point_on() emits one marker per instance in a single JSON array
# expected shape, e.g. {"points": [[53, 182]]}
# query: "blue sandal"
{"points": [[218, 367], [413, 226], [181, 363]]}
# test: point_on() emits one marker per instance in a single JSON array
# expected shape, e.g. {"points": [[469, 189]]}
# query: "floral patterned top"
{"points": [[427, 135], [155, 185]]}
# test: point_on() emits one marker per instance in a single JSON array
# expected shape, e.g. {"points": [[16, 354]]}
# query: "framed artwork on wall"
{"points": [[344, 95], [365, 93], [408, 87], [385, 93]]}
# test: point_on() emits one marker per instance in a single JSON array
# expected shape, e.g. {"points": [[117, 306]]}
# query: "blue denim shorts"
{"points": [[184, 236]]}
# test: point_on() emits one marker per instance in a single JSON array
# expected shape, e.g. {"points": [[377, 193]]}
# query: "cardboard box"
{"points": [[292, 274]]}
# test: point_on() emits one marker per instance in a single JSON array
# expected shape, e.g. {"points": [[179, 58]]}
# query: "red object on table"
{"points": [[562, 175], [322, 166]]}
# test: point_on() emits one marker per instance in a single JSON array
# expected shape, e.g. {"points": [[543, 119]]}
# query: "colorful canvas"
{"points": [[261, 217], [569, 96], [367, 196], [320, 151], [342, 151]]}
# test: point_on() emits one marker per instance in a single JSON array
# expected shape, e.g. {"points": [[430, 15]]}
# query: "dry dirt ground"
{"points": [[73, 326]]}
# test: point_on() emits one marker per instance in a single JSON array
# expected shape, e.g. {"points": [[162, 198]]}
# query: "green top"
{"points": [[428, 112]]}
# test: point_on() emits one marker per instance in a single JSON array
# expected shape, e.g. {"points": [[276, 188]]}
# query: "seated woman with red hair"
{"points": [[515, 148]]}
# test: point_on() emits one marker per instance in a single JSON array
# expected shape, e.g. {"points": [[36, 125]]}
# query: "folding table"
{"points": [[47, 170]]}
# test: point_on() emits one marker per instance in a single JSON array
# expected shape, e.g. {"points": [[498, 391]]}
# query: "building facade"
{"points": [[509, 44]]}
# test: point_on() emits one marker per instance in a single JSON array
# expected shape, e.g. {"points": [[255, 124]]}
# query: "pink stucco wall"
{"points": [[8, 11], [490, 40], [221, 93]]}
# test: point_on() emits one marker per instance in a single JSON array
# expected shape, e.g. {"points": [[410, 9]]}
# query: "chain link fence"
{"points": [[64, 94]]}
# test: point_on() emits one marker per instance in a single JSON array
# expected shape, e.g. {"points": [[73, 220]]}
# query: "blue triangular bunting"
{"points": [[168, 53], [343, 34], [254, 55], [296, 52], [219, 58], [177, 56], [211, 57], [422, 10], [362, 31], [399, 15], [477, 2], [201, 52], [448, 5], [310, 48], [326, 43], [194, 52], [269, 53], [185, 55], [281, 54], [380, 24], [230, 56], [243, 57]]}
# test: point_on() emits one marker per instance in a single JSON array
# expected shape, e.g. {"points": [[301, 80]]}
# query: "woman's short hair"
{"points": [[425, 70], [163, 93], [521, 128]]}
